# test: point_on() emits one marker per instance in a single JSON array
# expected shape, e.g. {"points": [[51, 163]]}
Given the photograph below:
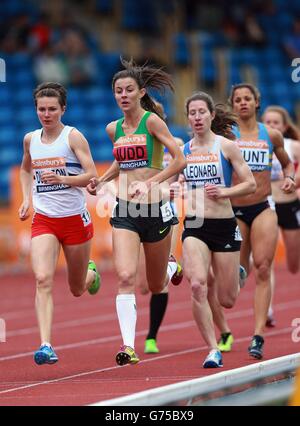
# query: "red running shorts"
{"points": [[68, 230]]}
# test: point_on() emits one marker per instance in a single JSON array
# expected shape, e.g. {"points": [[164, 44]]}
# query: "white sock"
{"points": [[270, 311], [172, 268], [46, 344], [126, 310]]}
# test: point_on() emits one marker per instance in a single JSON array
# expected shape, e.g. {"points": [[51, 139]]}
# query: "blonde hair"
{"points": [[291, 130]]}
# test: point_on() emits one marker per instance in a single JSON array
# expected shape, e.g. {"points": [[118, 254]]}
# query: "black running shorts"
{"points": [[220, 235], [152, 222]]}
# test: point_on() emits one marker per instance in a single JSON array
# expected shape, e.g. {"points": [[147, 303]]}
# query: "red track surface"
{"points": [[86, 338]]}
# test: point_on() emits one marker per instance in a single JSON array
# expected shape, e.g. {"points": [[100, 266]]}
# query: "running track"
{"points": [[86, 338]]}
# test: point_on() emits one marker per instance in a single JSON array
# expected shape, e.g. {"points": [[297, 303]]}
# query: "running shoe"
{"points": [[151, 347], [94, 287], [178, 275], [256, 348], [213, 359], [225, 342], [45, 355], [126, 355], [243, 276], [270, 321]]}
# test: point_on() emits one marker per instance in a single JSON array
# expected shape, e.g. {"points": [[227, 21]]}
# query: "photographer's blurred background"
{"points": [[207, 45]]}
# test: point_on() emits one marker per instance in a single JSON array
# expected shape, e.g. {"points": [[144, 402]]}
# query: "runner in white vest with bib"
{"points": [[56, 164]]}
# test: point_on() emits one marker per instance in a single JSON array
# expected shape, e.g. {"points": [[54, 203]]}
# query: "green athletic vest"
{"points": [[139, 149]]}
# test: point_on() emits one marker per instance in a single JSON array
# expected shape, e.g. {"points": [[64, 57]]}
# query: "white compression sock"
{"points": [[126, 310], [172, 268]]}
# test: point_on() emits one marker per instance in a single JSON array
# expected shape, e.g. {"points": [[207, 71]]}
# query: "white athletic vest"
{"points": [[55, 200], [276, 172], [210, 168]]}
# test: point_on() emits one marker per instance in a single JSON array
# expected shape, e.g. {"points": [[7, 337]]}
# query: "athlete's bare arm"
{"points": [[158, 128], [111, 173], [26, 178], [286, 164], [296, 154]]}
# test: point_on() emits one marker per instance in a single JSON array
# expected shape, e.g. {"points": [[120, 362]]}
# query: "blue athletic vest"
{"points": [[212, 168], [257, 154]]}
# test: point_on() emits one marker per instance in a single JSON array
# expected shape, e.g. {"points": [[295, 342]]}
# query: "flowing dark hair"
{"points": [[253, 89], [146, 77], [224, 117], [55, 90], [292, 130]]}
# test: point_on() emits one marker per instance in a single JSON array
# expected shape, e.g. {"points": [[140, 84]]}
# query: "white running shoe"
{"points": [[213, 359]]}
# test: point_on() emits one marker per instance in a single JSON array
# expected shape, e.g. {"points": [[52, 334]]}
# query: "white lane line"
{"points": [[233, 315], [157, 358], [85, 321], [142, 311]]}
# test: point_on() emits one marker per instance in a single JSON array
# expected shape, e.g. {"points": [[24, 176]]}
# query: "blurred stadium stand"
{"points": [[200, 55]]}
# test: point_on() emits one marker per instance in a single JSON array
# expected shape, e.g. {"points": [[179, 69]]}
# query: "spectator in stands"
{"points": [[40, 34], [252, 33], [15, 34], [291, 43], [241, 26], [49, 66], [78, 60]]}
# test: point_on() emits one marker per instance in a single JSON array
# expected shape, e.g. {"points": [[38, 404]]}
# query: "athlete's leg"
{"points": [[77, 258], [196, 261], [126, 248], [175, 234], [245, 251], [226, 270], [291, 238], [141, 278], [44, 254], [156, 257], [270, 319], [157, 306], [216, 308], [264, 233]]}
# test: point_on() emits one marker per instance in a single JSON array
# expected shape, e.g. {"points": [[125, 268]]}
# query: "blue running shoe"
{"points": [[256, 347], [45, 355], [243, 276], [213, 359]]}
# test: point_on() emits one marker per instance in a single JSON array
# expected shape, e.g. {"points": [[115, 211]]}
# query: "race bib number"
{"points": [[86, 218], [131, 152], [256, 154], [56, 165], [202, 169], [166, 212]]}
